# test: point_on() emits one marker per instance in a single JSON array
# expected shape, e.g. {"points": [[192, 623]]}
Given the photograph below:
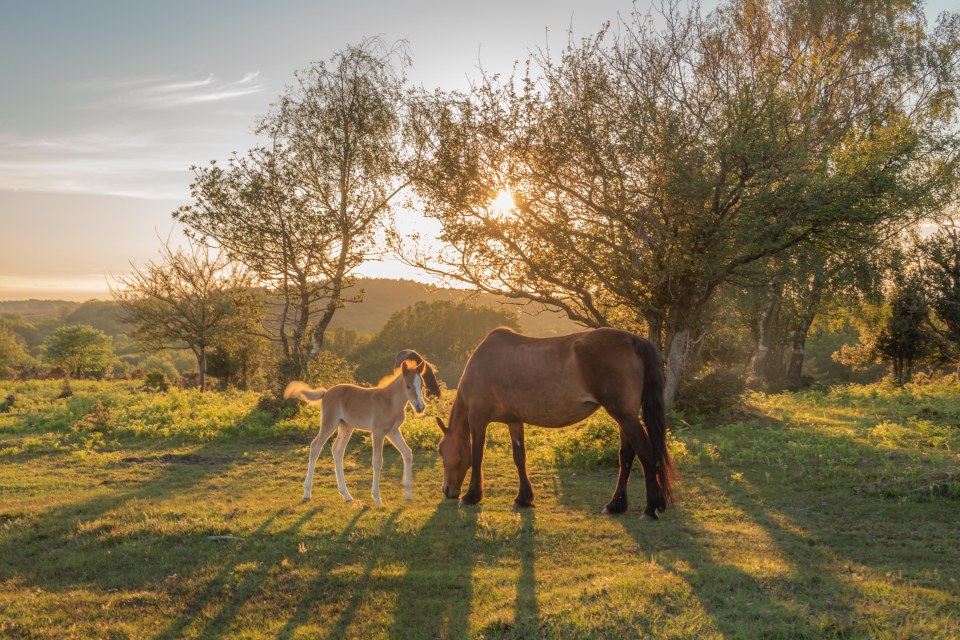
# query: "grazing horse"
{"points": [[379, 410], [557, 382]]}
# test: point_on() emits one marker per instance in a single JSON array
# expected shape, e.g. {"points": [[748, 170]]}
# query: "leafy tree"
{"points": [[301, 211], [13, 353], [193, 299], [905, 338], [652, 167], [941, 274], [444, 332], [79, 350]]}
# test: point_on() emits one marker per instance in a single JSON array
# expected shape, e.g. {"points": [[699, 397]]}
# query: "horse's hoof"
{"points": [[647, 516], [606, 511]]}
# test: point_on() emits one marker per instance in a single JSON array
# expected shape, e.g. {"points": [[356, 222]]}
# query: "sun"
{"points": [[503, 205]]}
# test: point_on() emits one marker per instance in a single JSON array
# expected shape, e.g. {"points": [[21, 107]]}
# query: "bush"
{"points": [[156, 380], [717, 392]]}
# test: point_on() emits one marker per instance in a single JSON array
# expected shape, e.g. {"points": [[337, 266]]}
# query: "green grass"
{"points": [[828, 514]]}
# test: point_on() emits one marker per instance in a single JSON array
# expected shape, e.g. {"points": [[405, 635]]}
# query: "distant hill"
{"points": [[382, 297]]}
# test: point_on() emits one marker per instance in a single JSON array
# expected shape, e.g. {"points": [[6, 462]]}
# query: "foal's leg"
{"points": [[326, 430], [618, 503], [396, 439], [339, 447], [525, 496], [377, 465]]}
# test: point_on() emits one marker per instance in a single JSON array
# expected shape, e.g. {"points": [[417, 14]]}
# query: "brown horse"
{"points": [[557, 382]]}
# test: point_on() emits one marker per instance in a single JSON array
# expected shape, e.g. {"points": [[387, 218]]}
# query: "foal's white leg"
{"points": [[396, 439], [315, 447], [377, 464], [339, 447]]}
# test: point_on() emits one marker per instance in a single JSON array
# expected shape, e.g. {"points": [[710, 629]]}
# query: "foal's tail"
{"points": [[655, 414], [303, 391]]}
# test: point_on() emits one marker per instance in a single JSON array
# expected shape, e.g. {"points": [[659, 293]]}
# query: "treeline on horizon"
{"points": [[726, 184]]}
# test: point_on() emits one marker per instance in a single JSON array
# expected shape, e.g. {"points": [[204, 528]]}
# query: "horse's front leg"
{"points": [[478, 432], [525, 495], [396, 438], [377, 465]]}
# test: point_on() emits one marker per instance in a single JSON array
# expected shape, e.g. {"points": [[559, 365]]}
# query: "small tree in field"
{"points": [[13, 355], [79, 350], [302, 211], [194, 299]]}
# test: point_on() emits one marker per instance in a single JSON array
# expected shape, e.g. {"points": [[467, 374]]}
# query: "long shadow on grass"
{"points": [[725, 590], [267, 551], [809, 598], [62, 548], [433, 596]]}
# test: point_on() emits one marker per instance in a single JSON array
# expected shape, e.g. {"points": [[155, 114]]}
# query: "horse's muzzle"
{"points": [[446, 492]]}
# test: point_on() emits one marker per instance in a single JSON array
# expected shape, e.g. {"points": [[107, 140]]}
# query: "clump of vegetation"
{"points": [[156, 380], [718, 392]]}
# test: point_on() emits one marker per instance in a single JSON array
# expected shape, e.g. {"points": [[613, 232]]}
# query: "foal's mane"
{"points": [[387, 379]]}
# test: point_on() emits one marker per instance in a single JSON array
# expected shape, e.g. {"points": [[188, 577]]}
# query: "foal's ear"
{"points": [[404, 367], [442, 426], [421, 367]]}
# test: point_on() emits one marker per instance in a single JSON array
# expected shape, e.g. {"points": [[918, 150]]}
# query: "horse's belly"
{"points": [[555, 415]]}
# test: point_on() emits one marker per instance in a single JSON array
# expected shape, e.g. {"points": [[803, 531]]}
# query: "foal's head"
{"points": [[455, 452], [413, 383]]}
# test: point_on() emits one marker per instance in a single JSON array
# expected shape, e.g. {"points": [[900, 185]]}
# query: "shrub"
{"points": [[156, 380], [716, 392]]}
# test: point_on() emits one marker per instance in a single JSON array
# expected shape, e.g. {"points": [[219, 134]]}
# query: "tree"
{"points": [[301, 212], [193, 299], [13, 353], [444, 332], [941, 275], [79, 350], [653, 167]]}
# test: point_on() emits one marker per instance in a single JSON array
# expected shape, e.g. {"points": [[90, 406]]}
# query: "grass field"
{"points": [[822, 514]]}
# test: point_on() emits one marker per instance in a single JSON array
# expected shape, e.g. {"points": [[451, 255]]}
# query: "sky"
{"points": [[107, 104]]}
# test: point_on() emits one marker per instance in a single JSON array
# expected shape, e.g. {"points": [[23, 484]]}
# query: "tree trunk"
{"points": [[761, 363], [795, 367], [655, 330], [675, 360], [202, 365]]}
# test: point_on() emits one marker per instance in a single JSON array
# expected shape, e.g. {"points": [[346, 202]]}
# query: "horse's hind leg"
{"points": [[326, 430], [618, 503], [525, 495], [377, 466], [396, 439], [636, 435], [339, 447]]}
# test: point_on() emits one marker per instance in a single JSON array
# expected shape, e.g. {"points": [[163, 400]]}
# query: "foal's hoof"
{"points": [[305, 499]]}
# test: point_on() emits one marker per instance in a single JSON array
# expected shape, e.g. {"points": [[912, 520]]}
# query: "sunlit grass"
{"points": [[820, 514]]}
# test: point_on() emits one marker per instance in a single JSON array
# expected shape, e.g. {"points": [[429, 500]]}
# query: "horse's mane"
{"points": [[390, 377]]}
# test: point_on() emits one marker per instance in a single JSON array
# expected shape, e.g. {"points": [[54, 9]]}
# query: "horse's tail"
{"points": [[303, 391], [655, 414]]}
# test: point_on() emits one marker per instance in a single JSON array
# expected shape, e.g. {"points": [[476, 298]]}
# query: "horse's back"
{"points": [[551, 381]]}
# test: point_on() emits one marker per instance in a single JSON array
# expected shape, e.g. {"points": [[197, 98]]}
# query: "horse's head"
{"points": [[413, 383], [455, 451], [429, 373]]}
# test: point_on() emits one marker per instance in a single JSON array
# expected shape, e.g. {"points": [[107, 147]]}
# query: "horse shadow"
{"points": [[812, 592]]}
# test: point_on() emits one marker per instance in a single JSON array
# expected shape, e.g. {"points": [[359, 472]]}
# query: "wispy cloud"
{"points": [[114, 161], [166, 92]]}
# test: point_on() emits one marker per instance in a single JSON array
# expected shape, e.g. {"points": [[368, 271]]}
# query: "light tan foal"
{"points": [[379, 410]]}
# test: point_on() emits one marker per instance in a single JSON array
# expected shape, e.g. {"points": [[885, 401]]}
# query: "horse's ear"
{"points": [[442, 426]]}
